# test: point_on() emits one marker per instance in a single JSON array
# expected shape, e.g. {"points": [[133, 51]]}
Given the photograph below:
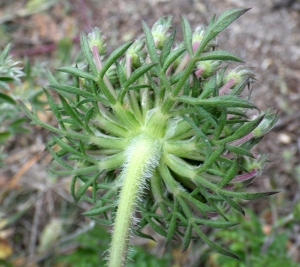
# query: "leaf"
{"points": [[229, 175], [140, 234], [76, 72], [187, 237], [138, 73], [213, 245], [172, 224], [71, 90], [209, 87], [83, 188], [76, 171], [113, 57], [239, 150], [201, 206], [167, 47], [150, 43], [219, 55], [224, 101], [206, 115], [58, 159], [187, 34], [98, 211], [6, 79], [172, 56], [215, 223], [121, 74], [54, 108], [66, 147], [88, 115], [245, 129], [226, 18], [156, 228], [87, 53], [221, 124], [211, 159], [69, 110], [198, 131], [247, 196], [7, 98], [232, 203], [4, 136]]}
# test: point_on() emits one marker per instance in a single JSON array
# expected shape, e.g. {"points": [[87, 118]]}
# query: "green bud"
{"points": [[135, 51], [160, 31], [198, 36], [207, 68], [238, 74], [266, 124], [256, 163], [96, 38]]}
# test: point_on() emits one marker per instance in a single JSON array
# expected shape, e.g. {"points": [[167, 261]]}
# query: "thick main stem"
{"points": [[142, 155]]}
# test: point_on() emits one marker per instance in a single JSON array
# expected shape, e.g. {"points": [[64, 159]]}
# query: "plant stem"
{"points": [[142, 156]]}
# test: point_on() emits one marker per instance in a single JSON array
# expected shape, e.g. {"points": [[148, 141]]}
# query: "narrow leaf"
{"points": [[225, 101], [219, 55], [76, 72], [98, 211], [7, 98], [167, 47], [150, 43], [71, 90], [172, 56], [69, 110], [247, 196], [187, 237], [232, 203], [138, 73], [113, 57], [229, 175], [216, 223], [187, 34], [87, 53], [212, 159], [198, 131]]}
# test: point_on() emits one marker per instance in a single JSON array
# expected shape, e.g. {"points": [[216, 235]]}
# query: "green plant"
{"points": [[10, 75], [159, 129], [92, 245], [247, 242]]}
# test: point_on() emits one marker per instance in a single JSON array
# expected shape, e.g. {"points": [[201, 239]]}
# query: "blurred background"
{"points": [[39, 223]]}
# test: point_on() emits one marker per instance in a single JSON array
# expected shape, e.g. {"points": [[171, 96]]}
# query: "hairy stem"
{"points": [[142, 156]]}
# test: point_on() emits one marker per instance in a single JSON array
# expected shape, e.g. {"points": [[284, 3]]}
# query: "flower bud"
{"points": [[207, 68], [238, 74], [198, 36], [96, 38], [256, 163], [160, 31], [135, 52], [266, 124]]}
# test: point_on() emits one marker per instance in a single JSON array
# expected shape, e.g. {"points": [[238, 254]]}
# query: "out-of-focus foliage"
{"points": [[254, 244]]}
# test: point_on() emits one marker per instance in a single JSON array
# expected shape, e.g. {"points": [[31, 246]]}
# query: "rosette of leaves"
{"points": [[158, 134]]}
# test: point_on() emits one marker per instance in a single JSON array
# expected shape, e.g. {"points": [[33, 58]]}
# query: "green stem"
{"points": [[142, 155]]}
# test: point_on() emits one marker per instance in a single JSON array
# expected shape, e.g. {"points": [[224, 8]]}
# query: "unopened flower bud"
{"points": [[266, 124], [160, 31], [198, 36], [96, 38], [238, 74], [207, 68], [256, 163], [135, 52], [112, 75]]}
